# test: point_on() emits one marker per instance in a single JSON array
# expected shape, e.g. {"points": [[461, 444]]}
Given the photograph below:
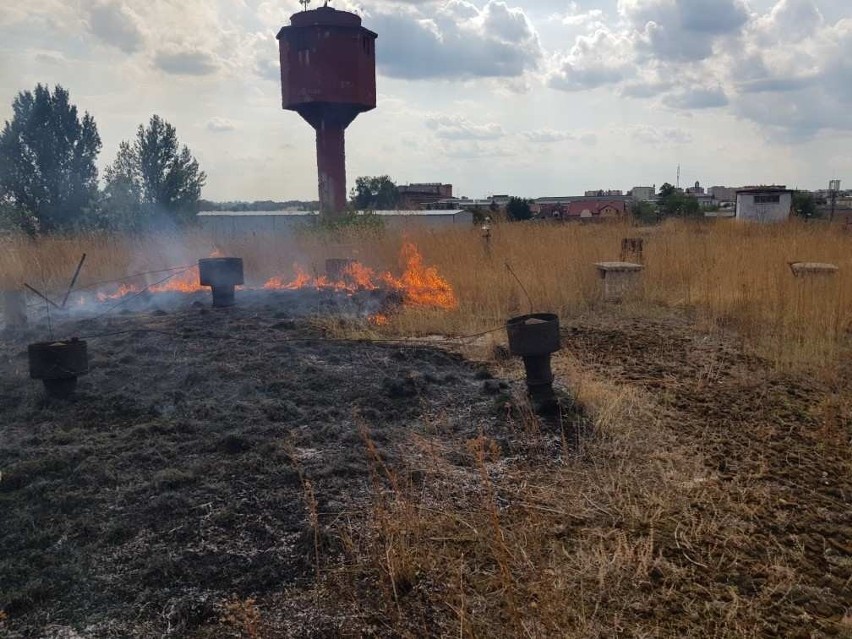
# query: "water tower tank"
{"points": [[328, 76]]}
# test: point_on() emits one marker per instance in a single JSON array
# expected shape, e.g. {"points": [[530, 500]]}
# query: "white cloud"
{"points": [[186, 61], [604, 57], [465, 79], [697, 97], [661, 136], [549, 136], [454, 39], [450, 127], [220, 125], [116, 25]]}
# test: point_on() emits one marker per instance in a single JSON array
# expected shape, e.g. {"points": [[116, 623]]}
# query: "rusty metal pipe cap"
{"points": [[58, 359], [535, 334], [220, 271]]}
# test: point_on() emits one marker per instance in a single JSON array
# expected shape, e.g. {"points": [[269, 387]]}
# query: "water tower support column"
{"points": [[331, 166]]}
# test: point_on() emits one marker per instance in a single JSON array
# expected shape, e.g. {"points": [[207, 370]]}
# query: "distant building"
{"points": [[723, 193], [582, 208], [706, 201], [695, 190], [467, 204], [604, 193], [500, 200], [420, 196], [644, 193], [764, 203]]}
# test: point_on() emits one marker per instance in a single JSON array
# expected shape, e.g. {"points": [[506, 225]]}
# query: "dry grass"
{"points": [[510, 546], [497, 539], [732, 275]]}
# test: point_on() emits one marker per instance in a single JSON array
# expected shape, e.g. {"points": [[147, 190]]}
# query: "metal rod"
{"points": [[44, 297], [518, 280], [73, 280]]}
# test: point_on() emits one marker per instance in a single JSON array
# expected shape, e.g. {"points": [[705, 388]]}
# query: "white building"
{"points": [[764, 204], [644, 193]]}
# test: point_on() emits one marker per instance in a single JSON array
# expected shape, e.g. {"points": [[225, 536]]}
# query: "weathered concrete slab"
{"points": [[810, 269], [620, 279]]}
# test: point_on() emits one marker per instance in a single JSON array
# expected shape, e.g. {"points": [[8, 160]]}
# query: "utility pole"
{"points": [[677, 186], [833, 188]]}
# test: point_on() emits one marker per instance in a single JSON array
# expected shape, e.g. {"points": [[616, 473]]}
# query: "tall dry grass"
{"points": [[731, 275]]}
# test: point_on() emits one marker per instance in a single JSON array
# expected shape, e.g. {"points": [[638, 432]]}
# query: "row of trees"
{"points": [[49, 177]]}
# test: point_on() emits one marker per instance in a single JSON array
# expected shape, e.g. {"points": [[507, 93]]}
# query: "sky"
{"points": [[527, 97]]}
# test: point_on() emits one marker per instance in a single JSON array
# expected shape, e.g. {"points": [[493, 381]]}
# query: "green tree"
{"points": [[671, 202], [48, 176], [667, 190], [518, 209], [374, 194], [804, 205], [153, 176], [680, 205], [645, 212]]}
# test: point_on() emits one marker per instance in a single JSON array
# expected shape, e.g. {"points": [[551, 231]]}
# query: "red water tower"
{"points": [[328, 76]]}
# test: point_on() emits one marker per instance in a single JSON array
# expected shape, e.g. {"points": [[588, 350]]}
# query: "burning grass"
{"points": [[730, 275]]}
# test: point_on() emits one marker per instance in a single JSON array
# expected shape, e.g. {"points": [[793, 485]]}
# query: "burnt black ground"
{"points": [[169, 482]]}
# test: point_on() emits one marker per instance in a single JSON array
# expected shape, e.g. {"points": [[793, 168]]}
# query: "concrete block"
{"points": [[620, 280], [813, 269]]}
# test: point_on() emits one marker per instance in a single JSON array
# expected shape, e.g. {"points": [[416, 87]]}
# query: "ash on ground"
{"points": [[172, 479]]}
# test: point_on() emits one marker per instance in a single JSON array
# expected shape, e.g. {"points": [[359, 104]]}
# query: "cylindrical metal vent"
{"points": [[535, 337], [58, 365], [221, 274]]}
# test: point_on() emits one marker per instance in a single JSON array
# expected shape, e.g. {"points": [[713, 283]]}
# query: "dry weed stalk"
{"points": [[732, 275], [394, 515], [311, 504]]}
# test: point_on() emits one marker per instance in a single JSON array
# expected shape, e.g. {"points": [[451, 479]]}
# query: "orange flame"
{"points": [[420, 286], [379, 319], [186, 282], [182, 282]]}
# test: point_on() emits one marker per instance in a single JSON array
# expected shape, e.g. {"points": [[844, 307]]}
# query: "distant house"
{"points": [[764, 204], [583, 209]]}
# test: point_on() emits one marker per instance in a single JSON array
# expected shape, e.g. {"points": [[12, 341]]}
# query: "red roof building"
{"points": [[585, 210]]}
